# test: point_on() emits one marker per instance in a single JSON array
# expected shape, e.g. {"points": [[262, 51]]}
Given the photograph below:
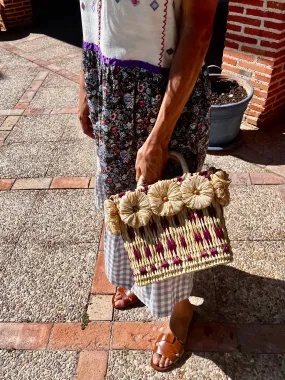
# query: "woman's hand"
{"points": [[83, 110], [151, 160]]}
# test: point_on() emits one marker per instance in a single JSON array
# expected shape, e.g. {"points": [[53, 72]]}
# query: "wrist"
{"points": [[159, 137]]}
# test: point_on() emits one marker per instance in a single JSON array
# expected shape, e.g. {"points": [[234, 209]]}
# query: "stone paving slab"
{"points": [[24, 336], [55, 80], [64, 216], [262, 338], [29, 37], [38, 365], [2, 118], [32, 184], [38, 128], [255, 367], [268, 142], [11, 60], [92, 365], [56, 50], [9, 123], [6, 184], [43, 283], [73, 64], [73, 130], [71, 336], [13, 86], [25, 159], [255, 213], [135, 365], [34, 45], [260, 258], [15, 206], [73, 158], [231, 164], [100, 307], [53, 98], [249, 299]]}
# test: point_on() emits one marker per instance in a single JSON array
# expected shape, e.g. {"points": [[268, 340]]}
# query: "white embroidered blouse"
{"points": [[132, 30]]}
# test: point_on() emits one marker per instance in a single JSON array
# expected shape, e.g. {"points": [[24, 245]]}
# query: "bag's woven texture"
{"points": [[164, 235]]}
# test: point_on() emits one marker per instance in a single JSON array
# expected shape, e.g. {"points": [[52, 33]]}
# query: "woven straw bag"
{"points": [[174, 226]]}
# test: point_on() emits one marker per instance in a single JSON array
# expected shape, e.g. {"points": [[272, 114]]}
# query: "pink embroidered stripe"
{"points": [[99, 20]]}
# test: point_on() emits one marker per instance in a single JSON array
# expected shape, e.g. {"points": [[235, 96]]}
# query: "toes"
{"points": [[118, 296], [156, 359], [162, 362], [167, 363], [119, 303]]}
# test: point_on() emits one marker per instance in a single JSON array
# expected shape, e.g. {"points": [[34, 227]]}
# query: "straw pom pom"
{"points": [[112, 216], [220, 182], [165, 198], [135, 209], [197, 192]]}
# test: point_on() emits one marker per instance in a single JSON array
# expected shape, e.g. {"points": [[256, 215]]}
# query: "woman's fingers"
{"points": [[138, 173], [86, 126]]}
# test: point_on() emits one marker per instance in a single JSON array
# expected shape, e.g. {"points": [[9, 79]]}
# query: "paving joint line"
{"points": [[41, 62], [84, 182], [49, 338]]}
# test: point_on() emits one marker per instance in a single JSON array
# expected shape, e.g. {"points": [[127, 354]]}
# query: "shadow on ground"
{"points": [[260, 146], [240, 298]]}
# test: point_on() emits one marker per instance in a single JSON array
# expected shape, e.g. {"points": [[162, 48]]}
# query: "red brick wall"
{"points": [[255, 49], [17, 13]]}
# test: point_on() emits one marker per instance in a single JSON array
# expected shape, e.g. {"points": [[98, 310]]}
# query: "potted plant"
{"points": [[230, 97]]}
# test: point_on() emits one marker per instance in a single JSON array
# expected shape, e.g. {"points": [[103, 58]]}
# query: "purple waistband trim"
{"points": [[125, 63]]}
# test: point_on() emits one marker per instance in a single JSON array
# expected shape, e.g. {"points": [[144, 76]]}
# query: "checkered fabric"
{"points": [[160, 297]]}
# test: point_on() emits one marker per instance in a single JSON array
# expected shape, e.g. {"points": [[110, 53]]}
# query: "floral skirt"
{"points": [[124, 103]]}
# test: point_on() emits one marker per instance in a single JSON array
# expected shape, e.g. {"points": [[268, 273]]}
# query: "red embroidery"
{"points": [[99, 20], [163, 33]]}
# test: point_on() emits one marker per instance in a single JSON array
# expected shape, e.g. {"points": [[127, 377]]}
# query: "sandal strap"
{"points": [[169, 346]]}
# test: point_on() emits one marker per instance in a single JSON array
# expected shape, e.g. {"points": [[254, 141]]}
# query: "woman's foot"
{"points": [[178, 326], [124, 298]]}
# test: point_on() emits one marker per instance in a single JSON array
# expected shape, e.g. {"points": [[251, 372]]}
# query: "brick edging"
{"points": [[88, 182], [41, 62], [203, 336], [46, 183], [22, 109]]}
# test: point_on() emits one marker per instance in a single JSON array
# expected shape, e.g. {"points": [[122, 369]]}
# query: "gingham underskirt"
{"points": [[160, 297]]}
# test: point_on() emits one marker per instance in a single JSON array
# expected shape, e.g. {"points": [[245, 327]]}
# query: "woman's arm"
{"points": [[195, 35], [83, 109]]}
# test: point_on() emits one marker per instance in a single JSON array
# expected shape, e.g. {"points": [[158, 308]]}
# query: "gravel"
{"points": [[64, 216], [255, 213], [13, 86], [42, 283], [14, 211], [135, 365], [255, 367], [73, 158], [25, 160], [38, 128], [38, 365], [53, 98]]}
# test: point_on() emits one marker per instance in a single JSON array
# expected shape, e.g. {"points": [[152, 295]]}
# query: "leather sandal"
{"points": [[170, 347], [129, 299]]}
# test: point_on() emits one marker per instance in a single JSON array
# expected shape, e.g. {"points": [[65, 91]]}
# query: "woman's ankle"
{"points": [[180, 320]]}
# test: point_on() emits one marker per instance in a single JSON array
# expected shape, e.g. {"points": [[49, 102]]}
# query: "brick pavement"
{"points": [[111, 337]]}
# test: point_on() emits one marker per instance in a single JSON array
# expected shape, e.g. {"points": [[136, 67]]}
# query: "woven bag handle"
{"points": [[180, 159], [171, 155]]}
